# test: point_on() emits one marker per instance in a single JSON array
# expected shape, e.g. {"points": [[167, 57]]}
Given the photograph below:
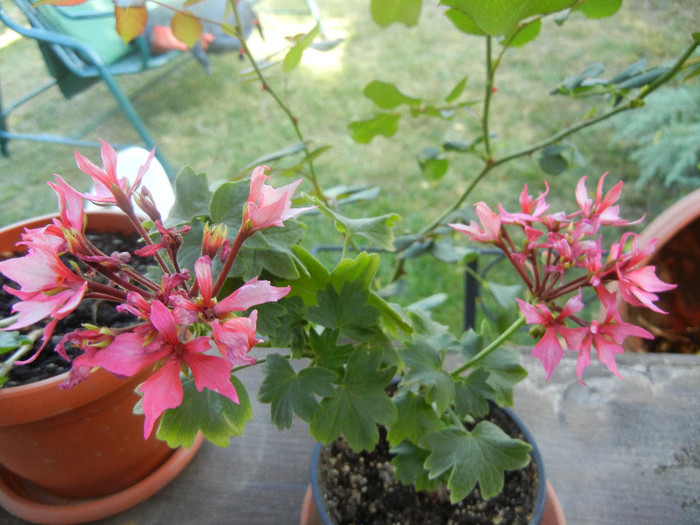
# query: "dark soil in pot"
{"points": [[102, 313], [361, 489]]}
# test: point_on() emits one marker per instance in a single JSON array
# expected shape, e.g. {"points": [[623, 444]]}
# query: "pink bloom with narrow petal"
{"points": [[70, 204], [637, 287], [108, 188], [489, 229], [235, 338], [268, 206], [549, 349], [129, 353], [47, 289], [606, 335]]}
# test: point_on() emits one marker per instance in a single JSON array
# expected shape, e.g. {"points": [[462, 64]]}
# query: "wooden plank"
{"points": [[616, 451]]}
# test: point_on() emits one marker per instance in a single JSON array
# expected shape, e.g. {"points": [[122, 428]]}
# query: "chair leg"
{"points": [[131, 113]]}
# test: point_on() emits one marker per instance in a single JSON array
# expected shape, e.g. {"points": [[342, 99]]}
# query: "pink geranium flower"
{"points": [[108, 188], [129, 353], [489, 229], [47, 288], [606, 335], [549, 349], [268, 206]]}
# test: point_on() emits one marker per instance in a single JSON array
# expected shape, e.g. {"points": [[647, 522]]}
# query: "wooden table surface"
{"points": [[616, 451]]}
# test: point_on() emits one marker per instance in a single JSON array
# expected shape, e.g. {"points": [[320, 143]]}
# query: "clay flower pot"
{"points": [[675, 257], [76, 455], [547, 508]]}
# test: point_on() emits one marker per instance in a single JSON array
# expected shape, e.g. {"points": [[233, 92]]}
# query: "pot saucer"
{"points": [[27, 501]]}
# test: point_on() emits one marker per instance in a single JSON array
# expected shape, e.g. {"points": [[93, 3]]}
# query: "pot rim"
{"points": [[116, 221], [535, 455]]}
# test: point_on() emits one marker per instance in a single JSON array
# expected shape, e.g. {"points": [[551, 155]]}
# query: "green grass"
{"points": [[220, 123]]}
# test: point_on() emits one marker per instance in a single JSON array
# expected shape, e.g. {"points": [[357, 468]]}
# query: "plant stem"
{"points": [[502, 338], [21, 351], [492, 163]]}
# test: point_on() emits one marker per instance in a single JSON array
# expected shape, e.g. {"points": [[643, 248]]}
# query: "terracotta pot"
{"points": [[62, 449], [677, 250], [548, 511]]}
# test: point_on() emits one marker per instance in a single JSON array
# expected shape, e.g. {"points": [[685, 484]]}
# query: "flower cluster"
{"points": [[178, 319], [557, 255]]}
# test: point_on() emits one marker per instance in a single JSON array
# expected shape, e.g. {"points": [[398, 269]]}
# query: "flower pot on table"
{"points": [[76, 455], [547, 510], [675, 256]]}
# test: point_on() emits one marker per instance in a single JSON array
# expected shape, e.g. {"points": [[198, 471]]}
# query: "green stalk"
{"points": [[496, 343]]}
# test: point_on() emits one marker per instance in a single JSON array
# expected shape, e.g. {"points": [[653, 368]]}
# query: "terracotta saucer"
{"points": [[29, 502]]}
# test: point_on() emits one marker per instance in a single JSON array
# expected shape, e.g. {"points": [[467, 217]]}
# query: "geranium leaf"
{"points": [[426, 369], [345, 310], [598, 8], [359, 403], [472, 394], [409, 460], [270, 250], [192, 196], [415, 418], [386, 124], [467, 458], [227, 203], [377, 230], [216, 416], [289, 392]]}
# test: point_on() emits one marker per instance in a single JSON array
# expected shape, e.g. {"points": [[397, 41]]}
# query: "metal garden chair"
{"points": [[80, 47]]}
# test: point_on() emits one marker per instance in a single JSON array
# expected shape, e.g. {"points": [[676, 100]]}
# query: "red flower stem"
{"points": [[241, 237]]}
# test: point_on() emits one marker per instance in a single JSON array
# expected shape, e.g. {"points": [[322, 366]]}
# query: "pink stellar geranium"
{"points": [[561, 254], [181, 326]]}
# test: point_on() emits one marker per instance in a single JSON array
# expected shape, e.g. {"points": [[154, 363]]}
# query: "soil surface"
{"points": [[361, 489], [50, 364]]}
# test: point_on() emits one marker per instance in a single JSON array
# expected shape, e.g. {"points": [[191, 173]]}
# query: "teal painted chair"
{"points": [[80, 47]]}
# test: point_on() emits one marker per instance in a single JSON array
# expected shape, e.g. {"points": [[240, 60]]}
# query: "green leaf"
{"points": [[480, 456], [345, 310], [270, 250], [386, 124], [314, 276], [289, 392], [377, 230], [228, 201], [463, 22], [362, 268], [456, 91], [500, 17], [192, 196], [268, 158], [425, 368], [330, 354], [472, 394], [387, 96], [293, 56], [505, 294], [216, 416], [10, 341], [385, 12], [523, 34], [415, 418], [552, 161], [432, 163], [359, 403], [598, 8], [409, 460]]}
